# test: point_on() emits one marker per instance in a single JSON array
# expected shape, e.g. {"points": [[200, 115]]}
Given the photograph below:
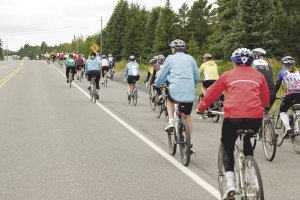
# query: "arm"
{"points": [[148, 76], [279, 81], [201, 69], [196, 74], [213, 93], [126, 71]]}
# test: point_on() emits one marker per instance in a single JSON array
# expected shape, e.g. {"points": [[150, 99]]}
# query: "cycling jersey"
{"points": [[104, 62], [246, 96], [181, 71], [92, 65], [209, 71], [70, 62], [292, 81], [263, 67], [111, 61], [47, 56], [132, 69]]}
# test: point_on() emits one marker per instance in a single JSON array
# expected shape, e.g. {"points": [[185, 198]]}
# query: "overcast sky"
{"points": [[57, 21]]}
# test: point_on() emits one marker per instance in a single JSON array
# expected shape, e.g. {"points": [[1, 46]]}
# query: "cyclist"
{"points": [[152, 62], [181, 72], [79, 64], [47, 57], [131, 73], [208, 72], [93, 69], [290, 75], [70, 65], [61, 56], [157, 67], [246, 97], [105, 66], [263, 67], [111, 61]]}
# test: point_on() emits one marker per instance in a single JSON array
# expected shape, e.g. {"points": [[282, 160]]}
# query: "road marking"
{"points": [[3, 81], [209, 188]]}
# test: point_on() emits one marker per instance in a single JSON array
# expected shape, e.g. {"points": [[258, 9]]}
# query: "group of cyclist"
{"points": [[249, 94]]}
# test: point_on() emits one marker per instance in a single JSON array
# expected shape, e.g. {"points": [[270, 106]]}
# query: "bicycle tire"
{"points": [[279, 128], [152, 98], [105, 81], [184, 142], [269, 140], [158, 110], [134, 98], [91, 95], [253, 141], [296, 138], [253, 188], [200, 98], [172, 142], [70, 80], [221, 173]]}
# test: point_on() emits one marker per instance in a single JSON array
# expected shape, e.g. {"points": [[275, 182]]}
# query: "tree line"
{"points": [[218, 29], [1, 50]]}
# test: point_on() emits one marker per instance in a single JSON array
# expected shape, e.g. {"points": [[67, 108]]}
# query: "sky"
{"points": [[57, 21]]}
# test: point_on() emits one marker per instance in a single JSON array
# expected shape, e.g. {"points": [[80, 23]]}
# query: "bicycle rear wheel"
{"points": [[253, 189], [70, 80], [158, 110], [279, 128], [184, 142], [105, 80], [296, 138], [269, 140], [172, 142], [221, 172], [216, 107], [152, 97], [134, 98]]}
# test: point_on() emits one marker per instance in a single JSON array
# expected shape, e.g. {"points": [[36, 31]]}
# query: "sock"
{"points": [[171, 120], [285, 120], [230, 179]]}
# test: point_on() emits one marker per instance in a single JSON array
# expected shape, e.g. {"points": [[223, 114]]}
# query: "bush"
{"points": [[120, 66]]}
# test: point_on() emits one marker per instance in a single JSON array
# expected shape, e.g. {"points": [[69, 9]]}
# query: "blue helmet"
{"points": [[242, 56], [288, 60]]}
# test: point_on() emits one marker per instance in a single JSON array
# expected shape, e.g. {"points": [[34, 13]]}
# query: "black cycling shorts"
{"points": [[288, 101], [185, 108], [208, 83], [104, 68], [130, 79], [92, 73]]}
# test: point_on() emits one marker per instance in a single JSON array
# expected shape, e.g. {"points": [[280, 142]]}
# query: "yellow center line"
{"points": [[3, 81]]}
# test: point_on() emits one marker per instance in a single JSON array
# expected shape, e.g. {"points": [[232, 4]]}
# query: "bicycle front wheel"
{"points": [[134, 98], [253, 187], [221, 172], [296, 137], [279, 128], [184, 142], [216, 107], [269, 140]]}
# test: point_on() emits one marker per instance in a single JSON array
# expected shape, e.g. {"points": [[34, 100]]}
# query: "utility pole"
{"points": [[6, 52], [101, 45], [74, 42]]}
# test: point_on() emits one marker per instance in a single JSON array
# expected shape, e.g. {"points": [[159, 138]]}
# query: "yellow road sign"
{"points": [[95, 47]]}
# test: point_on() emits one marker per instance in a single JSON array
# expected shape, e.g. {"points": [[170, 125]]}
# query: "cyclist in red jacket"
{"points": [[246, 97]]}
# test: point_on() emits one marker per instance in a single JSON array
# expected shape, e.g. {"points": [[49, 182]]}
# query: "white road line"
{"points": [[214, 192]]}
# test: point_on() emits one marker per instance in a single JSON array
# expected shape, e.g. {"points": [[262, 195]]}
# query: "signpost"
{"points": [[95, 48]]}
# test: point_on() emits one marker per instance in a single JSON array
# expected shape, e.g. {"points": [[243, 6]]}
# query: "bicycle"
{"points": [[134, 94], [267, 135], [81, 72], [161, 107], [213, 111], [248, 178], [294, 119], [180, 135], [93, 92]]}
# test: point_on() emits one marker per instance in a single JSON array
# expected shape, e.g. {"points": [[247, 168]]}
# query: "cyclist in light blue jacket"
{"points": [[181, 71], [131, 73], [92, 69]]}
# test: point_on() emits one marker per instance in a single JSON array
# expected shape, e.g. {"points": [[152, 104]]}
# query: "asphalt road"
{"points": [[56, 144]]}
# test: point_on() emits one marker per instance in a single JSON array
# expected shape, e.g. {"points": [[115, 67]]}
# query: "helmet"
{"points": [[161, 59], [207, 55], [153, 61], [110, 55], [288, 60], [103, 56], [178, 44], [242, 56], [258, 52], [92, 54], [132, 58]]}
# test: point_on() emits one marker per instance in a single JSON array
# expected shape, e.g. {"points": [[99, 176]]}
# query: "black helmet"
{"points": [[178, 44], [92, 54], [132, 58]]}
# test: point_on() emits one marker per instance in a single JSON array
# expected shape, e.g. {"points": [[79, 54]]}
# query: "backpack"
{"points": [[80, 62], [70, 63]]}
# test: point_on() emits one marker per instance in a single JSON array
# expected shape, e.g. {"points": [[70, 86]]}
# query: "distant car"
{"points": [[25, 58]]}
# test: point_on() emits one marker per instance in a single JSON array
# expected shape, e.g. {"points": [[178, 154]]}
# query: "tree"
{"points": [[194, 49], [198, 26], [163, 33], [1, 50], [251, 27], [183, 21]]}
